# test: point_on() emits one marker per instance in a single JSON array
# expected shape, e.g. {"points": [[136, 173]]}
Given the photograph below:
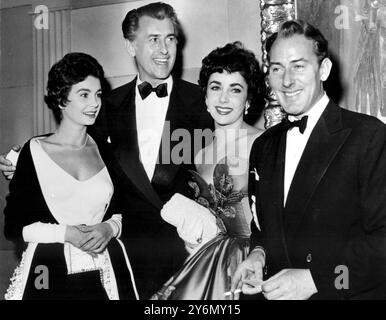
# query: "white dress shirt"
{"points": [[296, 141], [150, 114]]}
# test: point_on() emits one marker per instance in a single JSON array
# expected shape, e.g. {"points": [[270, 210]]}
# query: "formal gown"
{"points": [[70, 202], [206, 274]]}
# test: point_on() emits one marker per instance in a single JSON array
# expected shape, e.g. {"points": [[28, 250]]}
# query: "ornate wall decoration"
{"points": [[370, 68], [273, 13]]}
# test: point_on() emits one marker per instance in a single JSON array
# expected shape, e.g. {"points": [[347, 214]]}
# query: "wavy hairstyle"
{"points": [[156, 10], [293, 27], [71, 69], [233, 57]]}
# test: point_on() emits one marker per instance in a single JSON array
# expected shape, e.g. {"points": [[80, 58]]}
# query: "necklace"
{"points": [[74, 147]]}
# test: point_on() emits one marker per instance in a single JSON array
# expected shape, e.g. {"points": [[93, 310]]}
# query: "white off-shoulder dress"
{"points": [[71, 202]]}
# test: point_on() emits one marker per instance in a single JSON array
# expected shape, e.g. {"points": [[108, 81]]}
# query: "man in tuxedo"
{"points": [[317, 186], [141, 121]]}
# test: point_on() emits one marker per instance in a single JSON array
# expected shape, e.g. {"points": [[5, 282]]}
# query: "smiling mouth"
{"points": [[291, 93], [223, 110], [161, 61], [91, 113]]}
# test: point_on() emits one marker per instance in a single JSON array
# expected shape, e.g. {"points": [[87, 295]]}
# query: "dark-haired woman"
{"points": [[62, 203], [232, 82]]}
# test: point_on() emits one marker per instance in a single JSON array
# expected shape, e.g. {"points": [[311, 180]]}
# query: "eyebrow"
{"points": [[159, 35], [232, 84], [292, 61], [88, 90]]}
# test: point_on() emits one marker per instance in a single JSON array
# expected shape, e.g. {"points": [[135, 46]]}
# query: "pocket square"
{"points": [[108, 139], [257, 177], [254, 213]]}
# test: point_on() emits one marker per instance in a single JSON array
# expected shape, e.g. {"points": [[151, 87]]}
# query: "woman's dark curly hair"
{"points": [[71, 69], [233, 57]]}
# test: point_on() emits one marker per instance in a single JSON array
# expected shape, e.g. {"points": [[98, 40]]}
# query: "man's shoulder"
{"points": [[271, 132], [181, 83], [361, 121], [267, 138], [119, 93], [187, 88]]}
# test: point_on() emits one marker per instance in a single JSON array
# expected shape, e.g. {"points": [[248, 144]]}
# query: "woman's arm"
{"points": [[26, 215], [44, 232]]}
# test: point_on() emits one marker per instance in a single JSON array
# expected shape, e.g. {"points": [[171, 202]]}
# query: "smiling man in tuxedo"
{"points": [[138, 120], [317, 186]]}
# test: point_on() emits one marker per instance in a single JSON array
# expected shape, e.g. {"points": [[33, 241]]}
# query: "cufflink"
{"points": [[257, 178]]}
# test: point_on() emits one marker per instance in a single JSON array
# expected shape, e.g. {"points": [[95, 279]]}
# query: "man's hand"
{"points": [[289, 284], [97, 237], [6, 166], [249, 274]]}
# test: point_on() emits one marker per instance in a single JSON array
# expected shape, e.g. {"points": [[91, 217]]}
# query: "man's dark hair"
{"points": [[156, 10], [294, 27], [71, 69]]}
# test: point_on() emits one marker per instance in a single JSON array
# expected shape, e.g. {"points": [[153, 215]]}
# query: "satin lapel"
{"points": [[127, 150], [323, 145], [177, 117]]}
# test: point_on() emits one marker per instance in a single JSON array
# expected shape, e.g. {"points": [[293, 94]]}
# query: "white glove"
{"points": [[195, 224]]}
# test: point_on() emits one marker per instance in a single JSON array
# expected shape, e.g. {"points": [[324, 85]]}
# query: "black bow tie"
{"points": [[145, 89], [301, 124]]}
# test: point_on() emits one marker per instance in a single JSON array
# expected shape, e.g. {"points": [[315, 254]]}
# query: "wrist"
{"points": [[109, 228], [67, 233], [113, 226], [258, 254]]}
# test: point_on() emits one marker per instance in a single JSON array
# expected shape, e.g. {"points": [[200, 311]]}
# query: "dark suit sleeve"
{"points": [[258, 234], [368, 255], [365, 255]]}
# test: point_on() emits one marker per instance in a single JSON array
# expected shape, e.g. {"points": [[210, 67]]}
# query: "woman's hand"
{"points": [[97, 237], [74, 236]]}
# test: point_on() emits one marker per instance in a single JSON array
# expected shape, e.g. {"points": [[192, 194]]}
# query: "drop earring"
{"points": [[246, 108]]}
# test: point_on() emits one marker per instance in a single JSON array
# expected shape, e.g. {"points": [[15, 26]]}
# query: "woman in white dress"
{"points": [[218, 238], [62, 202]]}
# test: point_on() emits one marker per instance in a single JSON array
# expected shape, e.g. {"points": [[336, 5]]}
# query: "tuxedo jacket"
{"points": [[334, 220], [155, 249]]}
